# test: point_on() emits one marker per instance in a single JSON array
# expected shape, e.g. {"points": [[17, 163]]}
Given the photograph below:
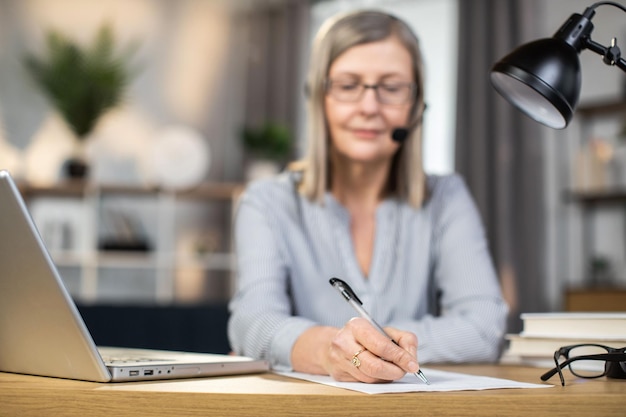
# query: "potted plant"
{"points": [[267, 148], [82, 83]]}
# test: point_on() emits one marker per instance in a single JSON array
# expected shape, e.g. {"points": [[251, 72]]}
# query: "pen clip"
{"points": [[344, 289]]}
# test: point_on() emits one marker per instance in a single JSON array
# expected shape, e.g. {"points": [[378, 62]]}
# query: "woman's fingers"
{"points": [[406, 340], [360, 352], [371, 368], [382, 346]]}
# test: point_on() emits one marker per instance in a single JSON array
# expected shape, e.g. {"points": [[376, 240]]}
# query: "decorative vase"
{"points": [[76, 167]]}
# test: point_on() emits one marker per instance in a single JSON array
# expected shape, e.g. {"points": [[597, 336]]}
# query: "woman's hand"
{"points": [[379, 360], [327, 350]]}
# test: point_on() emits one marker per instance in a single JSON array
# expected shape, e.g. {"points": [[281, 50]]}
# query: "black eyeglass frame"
{"points": [[328, 83], [613, 356]]}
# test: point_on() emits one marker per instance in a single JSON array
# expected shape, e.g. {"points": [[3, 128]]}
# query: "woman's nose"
{"points": [[369, 101]]}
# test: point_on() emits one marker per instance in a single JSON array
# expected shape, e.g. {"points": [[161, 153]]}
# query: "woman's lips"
{"points": [[366, 133]]}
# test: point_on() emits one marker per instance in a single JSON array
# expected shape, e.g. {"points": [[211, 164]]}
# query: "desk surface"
{"points": [[275, 396]]}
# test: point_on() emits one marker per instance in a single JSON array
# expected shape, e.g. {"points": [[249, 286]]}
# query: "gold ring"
{"points": [[355, 358]]}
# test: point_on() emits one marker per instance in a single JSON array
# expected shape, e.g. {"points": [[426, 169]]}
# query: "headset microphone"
{"points": [[400, 134]]}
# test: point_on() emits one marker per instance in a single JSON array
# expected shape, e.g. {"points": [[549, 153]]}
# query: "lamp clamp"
{"points": [[613, 54]]}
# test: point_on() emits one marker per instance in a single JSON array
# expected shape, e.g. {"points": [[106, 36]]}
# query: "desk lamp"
{"points": [[542, 78]]}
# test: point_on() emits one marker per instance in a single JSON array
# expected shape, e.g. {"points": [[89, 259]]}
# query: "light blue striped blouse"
{"points": [[431, 272]]}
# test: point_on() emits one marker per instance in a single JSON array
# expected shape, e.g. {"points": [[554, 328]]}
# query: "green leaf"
{"points": [[82, 83], [271, 141]]}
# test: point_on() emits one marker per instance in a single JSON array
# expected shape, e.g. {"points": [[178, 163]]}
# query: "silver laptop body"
{"points": [[42, 332]]}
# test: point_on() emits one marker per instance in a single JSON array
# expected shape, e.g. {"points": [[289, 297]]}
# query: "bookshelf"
{"points": [[593, 200], [179, 250]]}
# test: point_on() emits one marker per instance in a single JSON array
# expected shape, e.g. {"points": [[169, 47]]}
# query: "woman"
{"points": [[361, 208]]}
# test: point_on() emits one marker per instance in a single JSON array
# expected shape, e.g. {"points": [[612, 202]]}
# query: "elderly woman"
{"points": [[360, 207]]}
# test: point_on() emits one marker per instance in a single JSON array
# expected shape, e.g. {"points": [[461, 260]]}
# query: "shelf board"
{"points": [[70, 188], [208, 261], [615, 195], [121, 259], [77, 188], [66, 258], [131, 260], [216, 191], [602, 108], [108, 259]]}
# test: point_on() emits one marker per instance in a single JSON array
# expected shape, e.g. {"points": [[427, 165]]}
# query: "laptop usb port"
{"points": [[133, 373], [148, 372]]}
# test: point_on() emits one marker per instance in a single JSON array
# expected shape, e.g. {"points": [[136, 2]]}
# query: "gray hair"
{"points": [[407, 177]]}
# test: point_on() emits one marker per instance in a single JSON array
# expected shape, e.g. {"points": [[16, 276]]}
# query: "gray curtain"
{"points": [[499, 150]]}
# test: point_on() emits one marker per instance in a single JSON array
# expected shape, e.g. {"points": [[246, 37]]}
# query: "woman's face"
{"points": [[360, 129]]}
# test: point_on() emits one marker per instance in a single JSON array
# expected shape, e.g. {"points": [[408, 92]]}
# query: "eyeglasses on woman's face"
{"points": [[387, 92], [589, 360]]}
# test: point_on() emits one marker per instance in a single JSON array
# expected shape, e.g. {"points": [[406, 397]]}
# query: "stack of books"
{"points": [[545, 333]]}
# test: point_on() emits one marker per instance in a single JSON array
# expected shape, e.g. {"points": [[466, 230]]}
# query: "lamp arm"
{"points": [[611, 55]]}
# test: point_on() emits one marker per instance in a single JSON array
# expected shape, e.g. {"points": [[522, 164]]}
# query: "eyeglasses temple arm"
{"points": [[550, 373]]}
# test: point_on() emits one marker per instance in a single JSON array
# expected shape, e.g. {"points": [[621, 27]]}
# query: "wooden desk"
{"points": [[275, 396]]}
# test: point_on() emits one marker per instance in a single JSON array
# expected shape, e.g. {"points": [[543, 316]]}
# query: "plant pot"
{"points": [[261, 168], [76, 168]]}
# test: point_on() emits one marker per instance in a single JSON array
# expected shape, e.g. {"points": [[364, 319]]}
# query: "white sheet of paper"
{"points": [[439, 381]]}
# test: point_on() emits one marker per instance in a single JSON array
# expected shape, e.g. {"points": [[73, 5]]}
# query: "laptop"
{"points": [[42, 332]]}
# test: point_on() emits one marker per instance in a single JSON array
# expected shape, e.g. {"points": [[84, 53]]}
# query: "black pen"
{"points": [[354, 301]]}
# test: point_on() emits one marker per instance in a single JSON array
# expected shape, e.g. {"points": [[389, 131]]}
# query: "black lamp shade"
{"points": [[542, 79]]}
